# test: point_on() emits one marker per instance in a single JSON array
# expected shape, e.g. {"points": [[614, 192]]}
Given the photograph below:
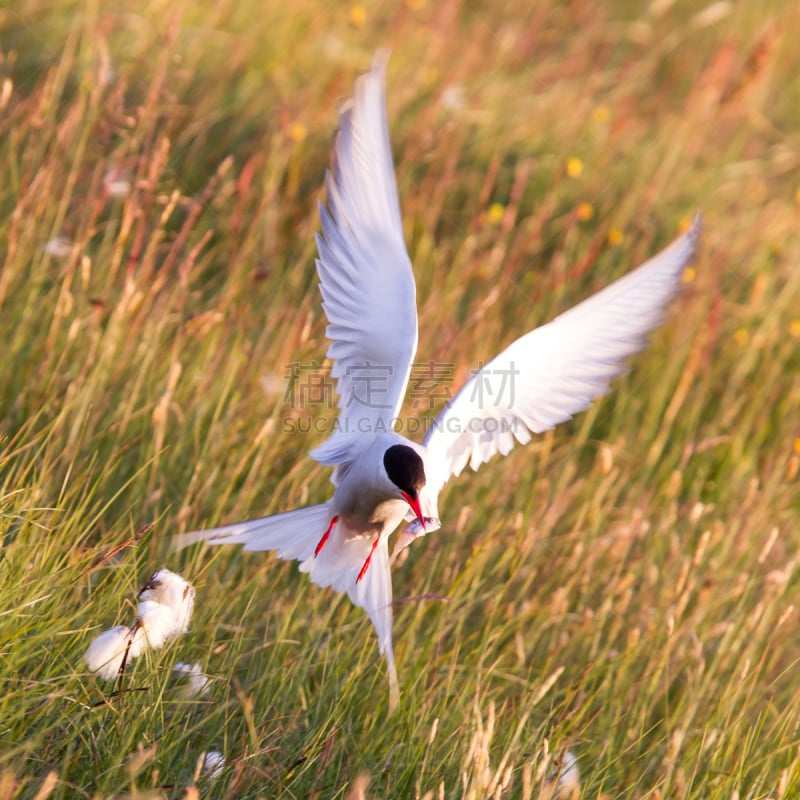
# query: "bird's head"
{"points": [[407, 472]]}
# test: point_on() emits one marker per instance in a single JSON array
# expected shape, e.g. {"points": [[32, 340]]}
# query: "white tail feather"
{"points": [[338, 566], [296, 535], [293, 534]]}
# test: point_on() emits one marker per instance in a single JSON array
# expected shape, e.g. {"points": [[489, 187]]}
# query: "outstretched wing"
{"points": [[555, 371], [365, 274]]}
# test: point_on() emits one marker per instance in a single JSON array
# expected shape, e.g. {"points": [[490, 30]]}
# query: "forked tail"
{"points": [[292, 534], [330, 554]]}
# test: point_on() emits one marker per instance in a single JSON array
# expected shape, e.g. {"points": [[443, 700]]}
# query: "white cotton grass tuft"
{"points": [[58, 247], [157, 623], [171, 590], [197, 681], [454, 97], [569, 777], [106, 653], [164, 611], [213, 764], [117, 183]]}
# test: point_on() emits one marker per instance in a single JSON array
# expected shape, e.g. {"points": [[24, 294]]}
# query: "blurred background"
{"points": [[621, 590]]}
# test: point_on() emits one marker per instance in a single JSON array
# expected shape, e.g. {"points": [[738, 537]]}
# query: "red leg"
{"points": [[369, 558], [325, 536]]}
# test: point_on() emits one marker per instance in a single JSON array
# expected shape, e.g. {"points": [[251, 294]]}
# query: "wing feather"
{"points": [[365, 274], [556, 370]]}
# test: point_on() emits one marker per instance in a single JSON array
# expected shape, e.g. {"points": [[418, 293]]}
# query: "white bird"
{"points": [[369, 297]]}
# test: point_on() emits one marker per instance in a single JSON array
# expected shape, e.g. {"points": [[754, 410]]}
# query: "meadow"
{"points": [[614, 603]]}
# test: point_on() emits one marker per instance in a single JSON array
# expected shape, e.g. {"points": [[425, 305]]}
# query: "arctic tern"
{"points": [[369, 297]]}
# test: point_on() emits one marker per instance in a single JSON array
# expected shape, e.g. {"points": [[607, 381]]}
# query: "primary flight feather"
{"points": [[369, 297]]}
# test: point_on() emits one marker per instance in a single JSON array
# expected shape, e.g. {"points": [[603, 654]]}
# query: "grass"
{"points": [[623, 588]]}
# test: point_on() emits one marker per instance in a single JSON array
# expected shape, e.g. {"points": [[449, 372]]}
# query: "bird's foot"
{"points": [[325, 536], [412, 532], [369, 558], [416, 528]]}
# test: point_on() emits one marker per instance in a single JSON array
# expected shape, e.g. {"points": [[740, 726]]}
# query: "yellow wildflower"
{"points": [[358, 16], [298, 132], [741, 336], [574, 167], [494, 216]]}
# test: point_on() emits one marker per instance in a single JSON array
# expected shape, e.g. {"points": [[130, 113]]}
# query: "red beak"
{"points": [[414, 503]]}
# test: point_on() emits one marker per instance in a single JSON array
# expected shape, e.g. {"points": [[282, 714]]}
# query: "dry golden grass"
{"points": [[620, 593]]}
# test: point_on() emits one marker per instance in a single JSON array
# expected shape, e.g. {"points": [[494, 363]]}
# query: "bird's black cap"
{"points": [[404, 468]]}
